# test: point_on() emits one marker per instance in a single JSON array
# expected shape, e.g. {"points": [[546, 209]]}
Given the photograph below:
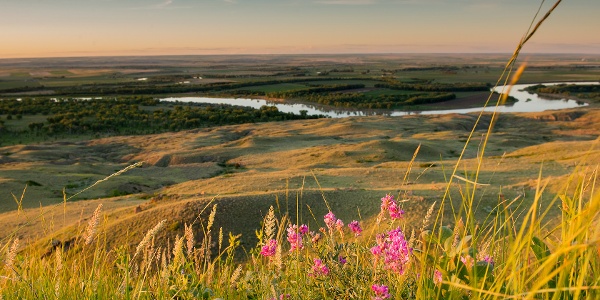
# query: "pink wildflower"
{"points": [[294, 237], [381, 291], [330, 220], [386, 202], [355, 227], [269, 248], [395, 211], [437, 278], [319, 268], [376, 250], [342, 260], [394, 249], [303, 229], [488, 259], [339, 224]]}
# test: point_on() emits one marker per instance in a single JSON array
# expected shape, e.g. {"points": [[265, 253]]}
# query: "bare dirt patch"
{"points": [[89, 72], [40, 73]]}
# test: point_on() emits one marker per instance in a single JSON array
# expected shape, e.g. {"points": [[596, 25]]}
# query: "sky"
{"points": [[62, 28]]}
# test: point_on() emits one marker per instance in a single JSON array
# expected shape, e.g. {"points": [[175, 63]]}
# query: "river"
{"points": [[526, 103]]}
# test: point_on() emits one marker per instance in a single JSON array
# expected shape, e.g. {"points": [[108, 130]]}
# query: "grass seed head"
{"points": [[428, 216], [189, 237], [220, 238], [269, 225], [235, 276], [58, 261], [178, 250], [211, 218], [148, 237], [12, 254], [90, 231]]}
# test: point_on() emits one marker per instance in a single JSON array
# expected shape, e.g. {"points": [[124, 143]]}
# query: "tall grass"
{"points": [[504, 257], [514, 253]]}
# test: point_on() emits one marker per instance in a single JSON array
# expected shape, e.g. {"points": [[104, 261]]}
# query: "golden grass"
{"points": [[353, 155]]}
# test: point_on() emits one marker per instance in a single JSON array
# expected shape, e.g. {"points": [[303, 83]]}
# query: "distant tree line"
{"points": [[564, 88], [151, 88], [583, 91], [131, 115], [361, 100], [341, 95], [436, 86]]}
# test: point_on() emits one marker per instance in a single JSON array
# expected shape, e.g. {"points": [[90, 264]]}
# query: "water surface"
{"points": [[526, 103]]}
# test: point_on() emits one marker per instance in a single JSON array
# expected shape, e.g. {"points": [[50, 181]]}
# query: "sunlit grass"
{"points": [[515, 252]]}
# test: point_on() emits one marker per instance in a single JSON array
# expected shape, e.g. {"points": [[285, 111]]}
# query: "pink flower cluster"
{"points": [[381, 291], [394, 249], [389, 204], [269, 249], [355, 227], [437, 277], [330, 220], [333, 223], [488, 259], [319, 268], [339, 224], [294, 236]]}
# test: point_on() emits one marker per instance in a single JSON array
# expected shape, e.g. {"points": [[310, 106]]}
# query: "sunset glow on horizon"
{"points": [[36, 28]]}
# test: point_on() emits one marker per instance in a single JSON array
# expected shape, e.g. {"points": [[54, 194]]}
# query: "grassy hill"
{"points": [[250, 167], [208, 184]]}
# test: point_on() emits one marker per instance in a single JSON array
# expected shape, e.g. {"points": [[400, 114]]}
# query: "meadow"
{"points": [[304, 169], [471, 206]]}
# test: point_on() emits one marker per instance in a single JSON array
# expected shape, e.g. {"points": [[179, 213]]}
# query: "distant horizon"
{"points": [[108, 28], [300, 54]]}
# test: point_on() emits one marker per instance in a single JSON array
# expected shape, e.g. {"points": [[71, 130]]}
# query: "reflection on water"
{"points": [[526, 103]]}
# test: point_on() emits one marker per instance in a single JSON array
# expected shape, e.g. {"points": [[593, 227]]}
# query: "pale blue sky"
{"points": [[33, 28]]}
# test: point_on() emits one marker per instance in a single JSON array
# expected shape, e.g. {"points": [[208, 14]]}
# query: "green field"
{"points": [[222, 75], [274, 88]]}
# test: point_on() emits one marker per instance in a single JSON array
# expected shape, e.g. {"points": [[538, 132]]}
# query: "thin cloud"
{"points": [[164, 4]]}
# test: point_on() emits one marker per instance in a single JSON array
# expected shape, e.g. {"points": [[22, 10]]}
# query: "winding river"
{"points": [[526, 103]]}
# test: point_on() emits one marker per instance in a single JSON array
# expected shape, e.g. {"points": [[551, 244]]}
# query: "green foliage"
{"points": [[499, 259], [584, 91], [430, 86], [129, 115]]}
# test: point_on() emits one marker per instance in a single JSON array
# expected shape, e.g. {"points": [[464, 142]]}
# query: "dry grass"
{"points": [[247, 167]]}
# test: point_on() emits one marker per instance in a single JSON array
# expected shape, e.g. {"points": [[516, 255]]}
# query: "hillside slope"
{"points": [[351, 162]]}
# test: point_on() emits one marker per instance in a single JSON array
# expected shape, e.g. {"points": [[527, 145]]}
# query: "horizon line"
{"points": [[294, 54]]}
